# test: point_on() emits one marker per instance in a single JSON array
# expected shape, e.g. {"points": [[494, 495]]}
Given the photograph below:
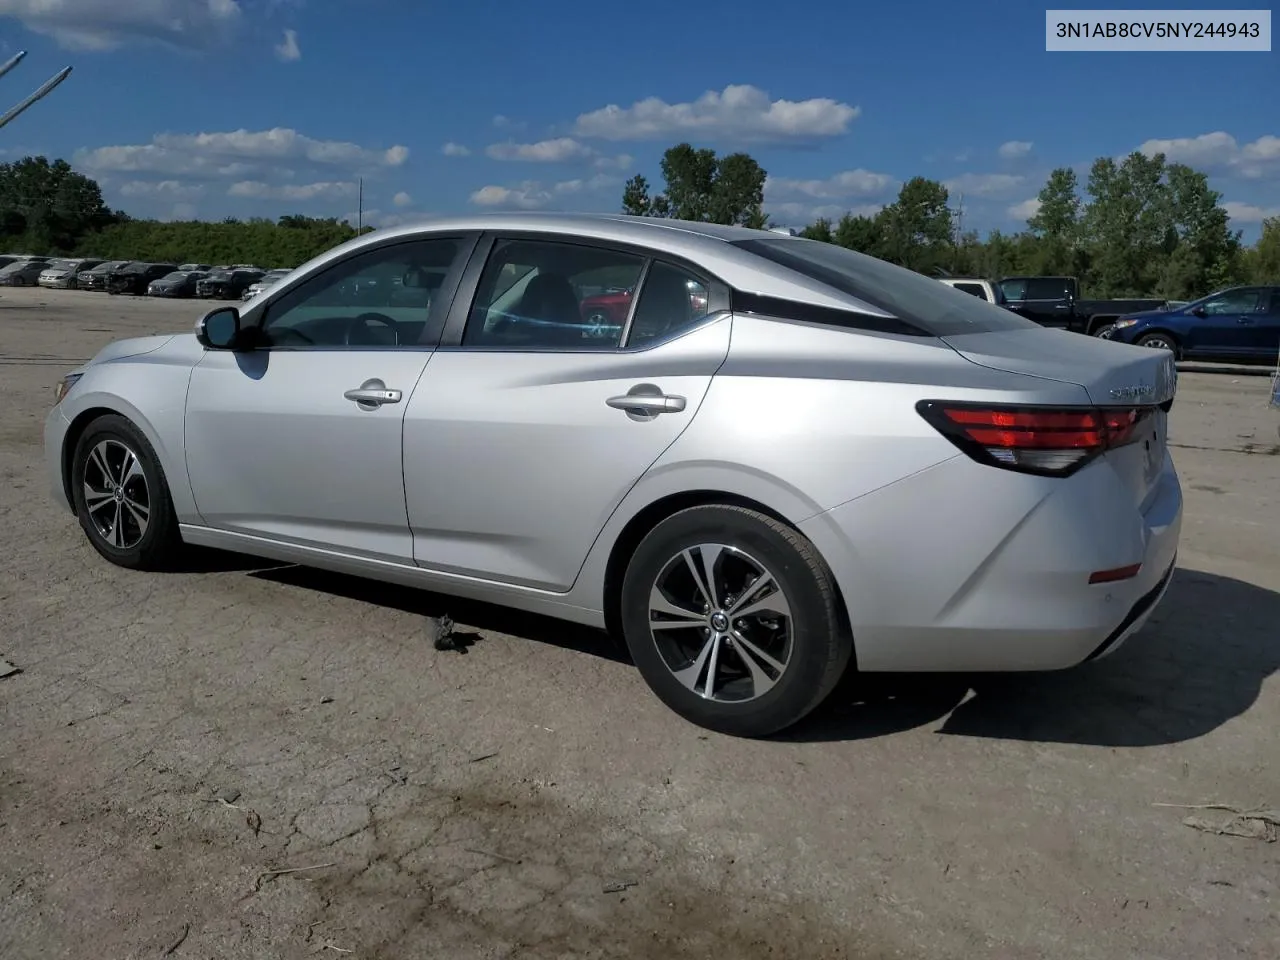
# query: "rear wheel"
{"points": [[1159, 341], [731, 618], [122, 498]]}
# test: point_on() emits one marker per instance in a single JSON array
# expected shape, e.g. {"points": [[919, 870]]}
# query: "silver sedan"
{"points": [[761, 460]]}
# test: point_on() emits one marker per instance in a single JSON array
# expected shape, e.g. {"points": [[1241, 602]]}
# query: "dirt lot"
{"points": [[172, 740]]}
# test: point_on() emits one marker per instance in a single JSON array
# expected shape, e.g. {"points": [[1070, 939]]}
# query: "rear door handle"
{"points": [[1245, 320], [645, 398], [372, 394]]}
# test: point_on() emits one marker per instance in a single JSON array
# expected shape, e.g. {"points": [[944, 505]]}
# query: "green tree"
{"points": [[820, 229], [703, 187], [863, 234], [916, 228], [1262, 263], [47, 207]]}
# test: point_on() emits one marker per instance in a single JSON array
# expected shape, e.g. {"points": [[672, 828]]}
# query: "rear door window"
{"points": [[1048, 288], [973, 289]]}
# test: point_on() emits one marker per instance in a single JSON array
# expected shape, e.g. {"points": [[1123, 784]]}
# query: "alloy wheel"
{"points": [[721, 623], [115, 494]]}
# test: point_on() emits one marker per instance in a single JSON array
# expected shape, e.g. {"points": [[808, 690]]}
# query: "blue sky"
{"points": [[262, 107]]}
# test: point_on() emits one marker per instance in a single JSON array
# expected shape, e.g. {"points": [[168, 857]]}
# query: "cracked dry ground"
{"points": [[174, 740]]}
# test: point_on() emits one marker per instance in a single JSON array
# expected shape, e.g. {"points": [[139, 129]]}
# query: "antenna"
{"points": [[43, 91]]}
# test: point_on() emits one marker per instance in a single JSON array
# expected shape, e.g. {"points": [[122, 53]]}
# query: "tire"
{"points": [[1159, 341], [1103, 330], [750, 697], [112, 520]]}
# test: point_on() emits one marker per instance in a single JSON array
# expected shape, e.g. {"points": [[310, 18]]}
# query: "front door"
{"points": [[1223, 325], [524, 437], [299, 439]]}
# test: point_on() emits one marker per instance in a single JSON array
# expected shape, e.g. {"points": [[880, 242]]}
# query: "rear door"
{"points": [[535, 417], [1264, 340]]}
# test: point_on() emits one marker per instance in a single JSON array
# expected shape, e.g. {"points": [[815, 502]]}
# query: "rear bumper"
{"points": [[966, 568]]}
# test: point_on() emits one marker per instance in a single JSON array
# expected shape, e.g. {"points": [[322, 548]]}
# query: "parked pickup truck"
{"points": [[1055, 302]]}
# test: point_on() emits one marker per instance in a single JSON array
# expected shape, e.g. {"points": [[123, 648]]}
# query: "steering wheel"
{"points": [[362, 322]]}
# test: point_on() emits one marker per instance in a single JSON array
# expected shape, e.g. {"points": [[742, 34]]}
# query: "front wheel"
{"points": [[122, 498], [1159, 341], [731, 618]]}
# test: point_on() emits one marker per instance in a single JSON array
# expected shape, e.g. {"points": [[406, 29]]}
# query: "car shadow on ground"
{"points": [[1199, 662], [469, 615]]}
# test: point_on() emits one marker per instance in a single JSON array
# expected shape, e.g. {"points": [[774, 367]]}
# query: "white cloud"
{"points": [[1024, 210], [402, 199], [257, 190], [558, 150], [1221, 152], [1248, 212], [985, 184], [800, 215], [107, 24], [288, 49], [850, 183], [452, 149], [1014, 149], [534, 195], [163, 189], [739, 112], [239, 153]]}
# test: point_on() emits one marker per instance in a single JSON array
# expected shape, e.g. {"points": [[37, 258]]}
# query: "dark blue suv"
{"points": [[1239, 324]]}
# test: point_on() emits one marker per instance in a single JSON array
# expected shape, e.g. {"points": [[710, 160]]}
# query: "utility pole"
{"points": [[360, 207]]}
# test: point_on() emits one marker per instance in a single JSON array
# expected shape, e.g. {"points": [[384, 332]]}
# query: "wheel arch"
{"points": [[655, 512]]}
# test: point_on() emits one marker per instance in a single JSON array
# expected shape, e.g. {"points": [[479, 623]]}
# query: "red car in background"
{"points": [[611, 308]]}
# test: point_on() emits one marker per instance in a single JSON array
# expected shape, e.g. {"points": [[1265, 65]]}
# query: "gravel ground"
{"points": [[175, 743]]}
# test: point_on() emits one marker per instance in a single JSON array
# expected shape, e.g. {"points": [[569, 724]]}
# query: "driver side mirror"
{"points": [[1198, 311], [219, 329]]}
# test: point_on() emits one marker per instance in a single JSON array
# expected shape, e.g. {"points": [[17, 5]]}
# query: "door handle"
{"points": [[648, 400], [372, 394], [1244, 320]]}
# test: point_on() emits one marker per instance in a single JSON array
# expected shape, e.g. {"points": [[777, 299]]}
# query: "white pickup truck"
{"points": [[985, 289]]}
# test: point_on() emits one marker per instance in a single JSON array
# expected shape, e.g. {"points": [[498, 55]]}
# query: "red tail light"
{"points": [[1051, 441]]}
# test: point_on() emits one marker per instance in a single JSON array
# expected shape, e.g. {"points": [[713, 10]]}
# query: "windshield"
{"points": [[176, 277], [937, 308]]}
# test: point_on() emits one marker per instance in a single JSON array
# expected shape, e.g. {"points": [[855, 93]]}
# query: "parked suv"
{"points": [[95, 278], [135, 278], [227, 284], [1236, 324]]}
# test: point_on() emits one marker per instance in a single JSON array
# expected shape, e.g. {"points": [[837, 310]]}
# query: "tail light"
{"points": [[1049, 441]]}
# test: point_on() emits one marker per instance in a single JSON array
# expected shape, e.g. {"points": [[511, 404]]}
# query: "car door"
{"points": [[1265, 330], [297, 437], [536, 417], [1224, 325]]}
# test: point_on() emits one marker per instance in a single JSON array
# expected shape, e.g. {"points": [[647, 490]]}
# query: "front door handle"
{"points": [[372, 394], [647, 401], [1245, 320]]}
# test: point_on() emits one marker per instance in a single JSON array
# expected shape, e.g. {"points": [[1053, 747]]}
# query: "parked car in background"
{"points": [[136, 277], [832, 461], [269, 279], [1055, 302], [95, 278], [61, 274], [23, 273], [1239, 324], [227, 284], [179, 283], [195, 267]]}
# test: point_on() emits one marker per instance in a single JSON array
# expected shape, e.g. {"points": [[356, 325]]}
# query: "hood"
{"points": [[132, 347]]}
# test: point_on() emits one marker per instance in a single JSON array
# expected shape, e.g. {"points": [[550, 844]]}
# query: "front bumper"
{"points": [[55, 433], [63, 283]]}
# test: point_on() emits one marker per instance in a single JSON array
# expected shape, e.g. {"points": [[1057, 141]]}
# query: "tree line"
{"points": [[47, 208], [1140, 227], [1144, 227]]}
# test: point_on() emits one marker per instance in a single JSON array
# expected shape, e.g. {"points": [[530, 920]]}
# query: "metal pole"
{"points": [[12, 62], [44, 91], [360, 209]]}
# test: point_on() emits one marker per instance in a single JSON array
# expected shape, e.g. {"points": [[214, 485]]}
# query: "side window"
{"points": [[539, 295], [1275, 303], [380, 297], [973, 289], [1014, 289], [671, 300], [1233, 301], [1048, 288]]}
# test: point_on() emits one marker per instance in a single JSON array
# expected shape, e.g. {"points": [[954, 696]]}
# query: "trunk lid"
{"points": [[1111, 375]]}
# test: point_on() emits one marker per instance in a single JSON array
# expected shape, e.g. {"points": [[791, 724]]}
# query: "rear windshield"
{"points": [[936, 308]]}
